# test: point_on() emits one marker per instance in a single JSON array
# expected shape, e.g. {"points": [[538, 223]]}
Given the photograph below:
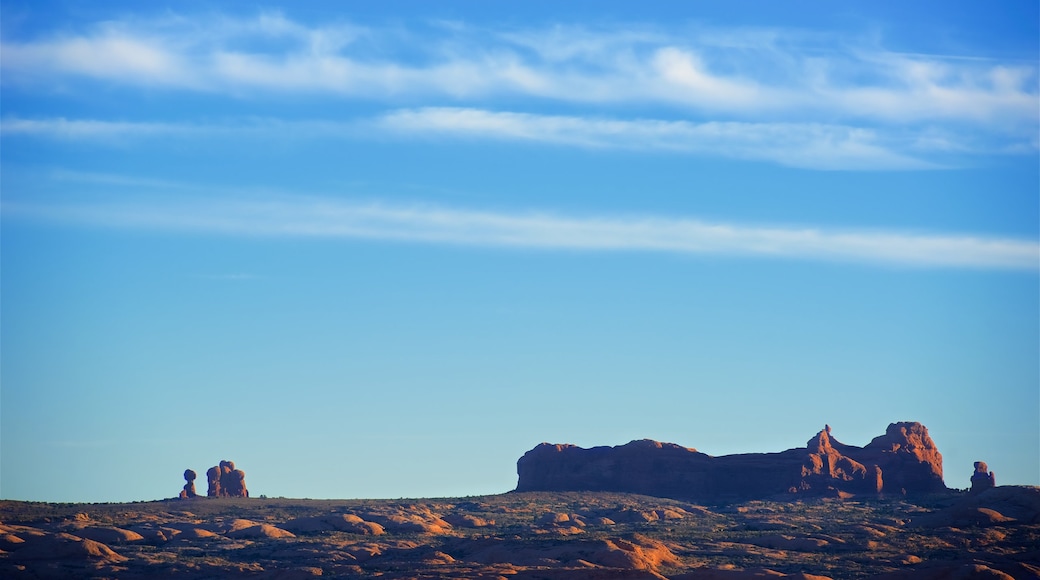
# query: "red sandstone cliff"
{"points": [[903, 460]]}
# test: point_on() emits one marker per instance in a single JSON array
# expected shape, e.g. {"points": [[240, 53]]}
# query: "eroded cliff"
{"points": [[903, 460]]}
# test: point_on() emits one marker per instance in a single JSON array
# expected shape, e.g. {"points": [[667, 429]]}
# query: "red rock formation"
{"points": [[827, 467], [903, 460], [225, 467], [236, 484], [226, 481], [231, 481], [982, 480], [189, 487], [908, 457], [213, 479]]}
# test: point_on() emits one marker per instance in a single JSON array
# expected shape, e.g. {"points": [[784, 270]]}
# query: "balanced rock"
{"points": [[982, 479], [189, 487], [903, 460]]}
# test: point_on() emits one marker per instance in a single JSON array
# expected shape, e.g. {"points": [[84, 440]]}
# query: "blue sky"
{"points": [[382, 251]]}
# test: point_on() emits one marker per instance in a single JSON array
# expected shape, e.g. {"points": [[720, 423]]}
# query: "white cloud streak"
{"points": [[805, 145], [714, 72], [104, 130], [90, 129], [336, 219]]}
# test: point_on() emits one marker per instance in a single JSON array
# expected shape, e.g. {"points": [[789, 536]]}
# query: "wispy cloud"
{"points": [[774, 95], [106, 130], [112, 55], [336, 219], [806, 145], [714, 71], [62, 128]]}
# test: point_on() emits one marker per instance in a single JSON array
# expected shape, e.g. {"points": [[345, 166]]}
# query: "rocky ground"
{"points": [[995, 534]]}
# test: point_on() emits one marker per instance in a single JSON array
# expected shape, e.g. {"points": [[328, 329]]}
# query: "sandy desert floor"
{"points": [[527, 536]]}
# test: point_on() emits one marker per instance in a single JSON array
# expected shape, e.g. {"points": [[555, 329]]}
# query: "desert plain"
{"points": [[529, 535]]}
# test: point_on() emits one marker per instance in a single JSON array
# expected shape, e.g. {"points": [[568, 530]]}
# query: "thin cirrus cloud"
{"points": [[804, 145], [90, 129], [330, 218], [63, 128], [775, 73]]}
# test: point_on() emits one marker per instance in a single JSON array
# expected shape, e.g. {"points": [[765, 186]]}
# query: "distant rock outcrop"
{"points": [[232, 481], [213, 479], [903, 460], [982, 479], [222, 480], [189, 487]]}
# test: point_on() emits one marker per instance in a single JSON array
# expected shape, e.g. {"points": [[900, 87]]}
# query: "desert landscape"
{"points": [[519, 289], [550, 528]]}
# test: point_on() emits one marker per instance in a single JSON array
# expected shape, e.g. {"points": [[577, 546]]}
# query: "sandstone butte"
{"points": [[904, 460]]}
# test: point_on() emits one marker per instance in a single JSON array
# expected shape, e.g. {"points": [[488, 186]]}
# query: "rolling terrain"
{"points": [[527, 535]]}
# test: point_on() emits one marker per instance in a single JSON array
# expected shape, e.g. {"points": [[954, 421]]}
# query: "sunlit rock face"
{"points": [[909, 458], [223, 480], [903, 460]]}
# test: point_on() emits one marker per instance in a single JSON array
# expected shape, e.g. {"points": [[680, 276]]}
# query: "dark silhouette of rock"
{"points": [[903, 460], [213, 480], [982, 479], [189, 487]]}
